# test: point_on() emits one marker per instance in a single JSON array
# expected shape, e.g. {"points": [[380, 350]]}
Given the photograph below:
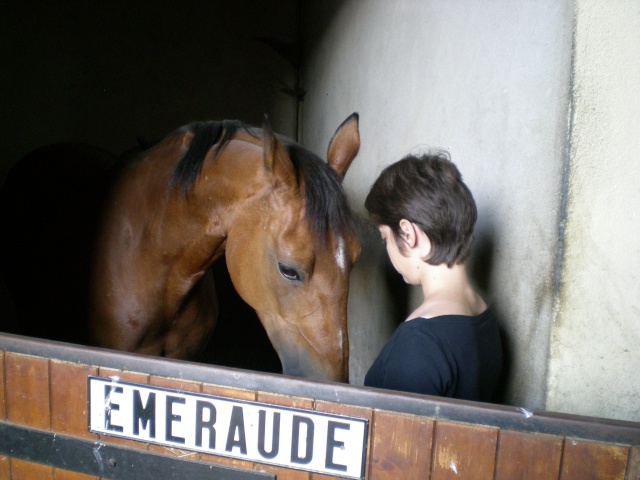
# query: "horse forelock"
{"points": [[326, 206]]}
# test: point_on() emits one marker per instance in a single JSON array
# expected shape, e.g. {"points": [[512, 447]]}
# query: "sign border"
{"points": [[116, 381]]}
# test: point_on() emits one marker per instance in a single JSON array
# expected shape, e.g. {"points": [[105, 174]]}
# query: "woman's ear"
{"points": [[415, 239], [408, 233]]}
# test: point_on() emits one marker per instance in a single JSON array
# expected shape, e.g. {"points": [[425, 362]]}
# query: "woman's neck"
{"points": [[447, 291]]}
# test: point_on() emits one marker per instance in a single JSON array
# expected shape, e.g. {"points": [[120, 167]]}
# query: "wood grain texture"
{"points": [[21, 470], [285, 400], [27, 390], [633, 464], [525, 456], [59, 474], [463, 452], [588, 461], [3, 409], [5, 467], [231, 392], [69, 399], [123, 375], [401, 447]]}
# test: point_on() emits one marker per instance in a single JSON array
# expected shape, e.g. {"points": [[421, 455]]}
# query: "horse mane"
{"points": [[327, 208], [326, 205], [205, 136]]}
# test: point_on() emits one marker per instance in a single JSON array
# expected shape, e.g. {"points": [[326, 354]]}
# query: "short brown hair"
{"points": [[427, 190]]}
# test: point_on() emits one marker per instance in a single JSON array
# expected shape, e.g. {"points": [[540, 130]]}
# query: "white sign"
{"points": [[313, 441]]}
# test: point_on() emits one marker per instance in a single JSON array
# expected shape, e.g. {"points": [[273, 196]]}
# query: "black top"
{"points": [[448, 356]]}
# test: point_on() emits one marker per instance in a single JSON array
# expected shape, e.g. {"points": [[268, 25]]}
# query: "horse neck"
{"points": [[230, 182], [153, 242]]}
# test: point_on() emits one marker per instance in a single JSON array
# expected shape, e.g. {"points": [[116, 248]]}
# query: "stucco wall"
{"points": [[487, 80], [595, 354]]}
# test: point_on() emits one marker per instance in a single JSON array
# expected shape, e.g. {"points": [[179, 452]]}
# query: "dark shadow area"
{"points": [[317, 18], [239, 339], [480, 266], [374, 254], [502, 391], [398, 290], [48, 216]]}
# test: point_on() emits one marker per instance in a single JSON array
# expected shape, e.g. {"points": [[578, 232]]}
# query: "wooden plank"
{"points": [[351, 411], [59, 474], [285, 400], [5, 467], [69, 401], [27, 390], [344, 409], [527, 456], [282, 473], [3, 410], [401, 447], [595, 461], [123, 375], [633, 464], [231, 392], [463, 451], [21, 470], [230, 462], [176, 384]]}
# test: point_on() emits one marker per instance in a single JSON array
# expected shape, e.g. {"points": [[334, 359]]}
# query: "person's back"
{"points": [[450, 356]]}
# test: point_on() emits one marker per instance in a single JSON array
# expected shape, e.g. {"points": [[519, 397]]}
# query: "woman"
{"points": [[450, 345]]}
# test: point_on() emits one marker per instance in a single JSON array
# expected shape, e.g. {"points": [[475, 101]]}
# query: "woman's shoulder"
{"points": [[416, 333], [451, 303], [450, 326], [485, 315]]}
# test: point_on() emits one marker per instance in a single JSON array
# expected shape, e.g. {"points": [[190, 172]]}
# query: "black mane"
{"points": [[206, 135], [326, 206], [327, 209]]}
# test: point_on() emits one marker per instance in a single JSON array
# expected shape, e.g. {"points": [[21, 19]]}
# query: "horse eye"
{"points": [[289, 273]]}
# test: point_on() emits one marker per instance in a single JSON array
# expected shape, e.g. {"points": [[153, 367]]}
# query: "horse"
{"points": [[49, 205], [275, 210]]}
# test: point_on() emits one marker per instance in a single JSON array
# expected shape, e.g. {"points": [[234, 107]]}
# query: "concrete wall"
{"points": [[487, 80], [538, 103], [595, 359]]}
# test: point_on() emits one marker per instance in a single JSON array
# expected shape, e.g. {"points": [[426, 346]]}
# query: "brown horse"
{"points": [[277, 212]]}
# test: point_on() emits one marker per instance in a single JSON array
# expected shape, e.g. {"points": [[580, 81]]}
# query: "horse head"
{"points": [[291, 250]]}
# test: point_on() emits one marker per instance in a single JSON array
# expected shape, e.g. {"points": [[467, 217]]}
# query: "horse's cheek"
{"points": [[246, 269]]}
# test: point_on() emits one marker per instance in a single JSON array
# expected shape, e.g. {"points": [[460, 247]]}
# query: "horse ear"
{"points": [[344, 145], [276, 159]]}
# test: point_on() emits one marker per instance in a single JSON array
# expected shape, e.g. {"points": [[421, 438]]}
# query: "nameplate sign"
{"points": [[256, 432]]}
